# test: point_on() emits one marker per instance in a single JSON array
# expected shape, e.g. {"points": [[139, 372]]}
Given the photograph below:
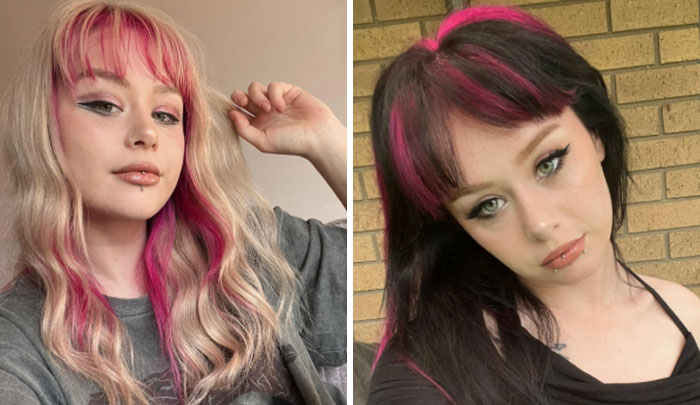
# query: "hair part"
{"points": [[502, 67], [213, 266]]}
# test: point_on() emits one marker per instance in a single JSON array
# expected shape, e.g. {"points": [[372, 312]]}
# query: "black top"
{"points": [[394, 382]]}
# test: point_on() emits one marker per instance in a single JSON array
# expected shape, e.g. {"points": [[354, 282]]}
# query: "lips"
{"points": [[147, 167], [140, 173], [565, 254]]}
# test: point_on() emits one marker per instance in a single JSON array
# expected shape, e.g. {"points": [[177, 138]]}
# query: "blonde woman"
{"points": [[149, 269]]}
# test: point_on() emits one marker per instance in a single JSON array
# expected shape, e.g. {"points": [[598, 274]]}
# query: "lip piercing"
{"points": [[564, 257]]}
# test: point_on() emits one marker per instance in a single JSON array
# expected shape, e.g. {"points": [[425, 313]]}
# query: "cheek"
{"points": [[591, 197], [81, 149], [501, 244]]}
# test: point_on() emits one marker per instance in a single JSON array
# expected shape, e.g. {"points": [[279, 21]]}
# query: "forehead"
{"points": [[128, 53], [481, 148]]}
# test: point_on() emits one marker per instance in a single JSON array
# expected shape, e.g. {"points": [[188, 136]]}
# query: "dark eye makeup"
{"points": [[100, 107], [547, 167], [106, 108]]}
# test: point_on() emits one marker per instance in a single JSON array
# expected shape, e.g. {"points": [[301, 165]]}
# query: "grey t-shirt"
{"points": [[30, 375]]}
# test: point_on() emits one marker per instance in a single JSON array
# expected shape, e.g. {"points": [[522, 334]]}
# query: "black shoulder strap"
{"points": [[660, 300]]}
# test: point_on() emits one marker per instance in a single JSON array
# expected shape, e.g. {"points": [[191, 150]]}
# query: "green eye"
{"points": [[486, 209], [549, 166], [552, 163], [165, 118], [490, 206], [100, 107]]}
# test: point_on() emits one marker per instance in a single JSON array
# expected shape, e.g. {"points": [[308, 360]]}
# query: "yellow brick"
{"points": [[634, 14], [682, 116], [431, 28], [695, 290], [370, 180], [363, 248], [589, 18], [607, 79], [658, 83], [684, 243], [507, 2], [362, 151], [368, 332], [397, 9], [360, 116], [683, 183], [383, 42], [646, 187], [368, 277], [642, 248], [641, 121], [361, 11], [679, 45], [356, 187], [684, 150], [681, 272], [368, 216], [618, 52], [676, 214], [364, 77], [380, 245], [367, 306]]}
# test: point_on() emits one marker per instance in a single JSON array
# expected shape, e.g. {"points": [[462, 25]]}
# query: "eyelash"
{"points": [[166, 118], [557, 156]]}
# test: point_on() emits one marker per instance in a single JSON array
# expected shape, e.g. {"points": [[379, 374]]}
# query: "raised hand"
{"points": [[290, 121]]}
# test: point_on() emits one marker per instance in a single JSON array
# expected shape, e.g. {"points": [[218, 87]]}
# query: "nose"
{"points": [[538, 214], [143, 131]]}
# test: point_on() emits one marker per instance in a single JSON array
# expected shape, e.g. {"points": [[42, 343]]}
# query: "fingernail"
{"points": [[267, 106]]}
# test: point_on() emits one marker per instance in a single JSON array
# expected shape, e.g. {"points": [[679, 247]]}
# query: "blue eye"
{"points": [[100, 107], [165, 118]]}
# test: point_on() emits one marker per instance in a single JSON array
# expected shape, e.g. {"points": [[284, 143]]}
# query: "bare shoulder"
{"points": [[685, 303]]}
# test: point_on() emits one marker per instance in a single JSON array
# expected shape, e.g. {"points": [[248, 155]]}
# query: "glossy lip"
{"points": [[140, 166], [571, 249]]}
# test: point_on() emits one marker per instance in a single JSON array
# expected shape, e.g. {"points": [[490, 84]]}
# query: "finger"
{"points": [[257, 93], [275, 92], [248, 132], [239, 98]]}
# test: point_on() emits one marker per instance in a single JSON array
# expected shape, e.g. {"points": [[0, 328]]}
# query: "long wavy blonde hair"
{"points": [[220, 287]]}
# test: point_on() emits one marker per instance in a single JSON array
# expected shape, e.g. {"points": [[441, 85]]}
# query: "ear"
{"points": [[599, 146]]}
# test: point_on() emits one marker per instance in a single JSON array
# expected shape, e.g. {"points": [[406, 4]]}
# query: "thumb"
{"points": [[248, 132]]}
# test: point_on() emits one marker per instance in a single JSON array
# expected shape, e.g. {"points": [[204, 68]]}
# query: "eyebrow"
{"points": [[121, 81], [474, 188]]}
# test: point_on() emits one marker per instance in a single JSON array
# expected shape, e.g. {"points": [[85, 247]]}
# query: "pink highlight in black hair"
{"points": [[501, 67], [478, 14], [471, 79]]}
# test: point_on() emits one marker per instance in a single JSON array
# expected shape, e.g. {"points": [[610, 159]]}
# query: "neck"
{"points": [[116, 247]]}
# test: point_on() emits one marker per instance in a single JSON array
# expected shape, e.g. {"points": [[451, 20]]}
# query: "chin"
{"points": [[142, 213]]}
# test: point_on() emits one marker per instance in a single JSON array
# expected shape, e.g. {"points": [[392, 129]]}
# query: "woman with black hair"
{"points": [[502, 168]]}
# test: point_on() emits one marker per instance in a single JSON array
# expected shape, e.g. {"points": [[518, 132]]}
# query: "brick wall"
{"points": [[649, 53]]}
